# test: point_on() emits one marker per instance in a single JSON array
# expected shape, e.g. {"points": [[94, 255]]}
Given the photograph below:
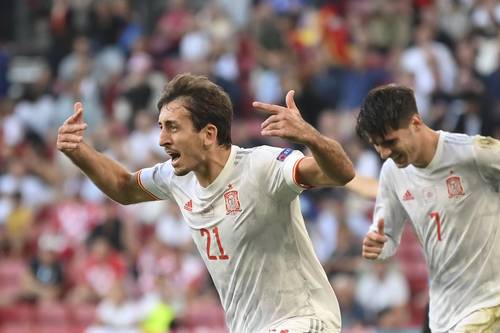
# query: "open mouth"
{"points": [[174, 156]]}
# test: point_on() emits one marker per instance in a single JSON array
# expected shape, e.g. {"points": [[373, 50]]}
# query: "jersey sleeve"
{"points": [[290, 172], [487, 155], [156, 180], [277, 169], [389, 208]]}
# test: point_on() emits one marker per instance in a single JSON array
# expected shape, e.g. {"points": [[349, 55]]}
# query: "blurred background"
{"points": [[72, 261]]}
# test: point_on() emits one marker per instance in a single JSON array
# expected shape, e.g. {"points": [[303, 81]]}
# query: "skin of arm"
{"points": [[384, 236], [329, 165], [111, 177], [364, 186]]}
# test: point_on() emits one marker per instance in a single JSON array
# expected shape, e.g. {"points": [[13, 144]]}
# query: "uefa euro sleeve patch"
{"points": [[284, 153]]}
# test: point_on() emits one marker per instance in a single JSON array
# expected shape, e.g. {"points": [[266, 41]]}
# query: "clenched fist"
{"points": [[374, 242]]}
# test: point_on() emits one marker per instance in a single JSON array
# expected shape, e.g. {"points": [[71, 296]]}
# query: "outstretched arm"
{"points": [[111, 177], [329, 164], [364, 186]]}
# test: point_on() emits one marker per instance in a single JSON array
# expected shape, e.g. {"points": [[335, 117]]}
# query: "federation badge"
{"points": [[455, 188], [486, 141], [232, 201], [429, 194], [284, 154]]}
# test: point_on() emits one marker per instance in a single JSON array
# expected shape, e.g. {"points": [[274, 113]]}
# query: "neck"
{"points": [[429, 142], [216, 159]]}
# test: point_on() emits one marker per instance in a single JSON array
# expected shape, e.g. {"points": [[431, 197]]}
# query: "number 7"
{"points": [[437, 219]]}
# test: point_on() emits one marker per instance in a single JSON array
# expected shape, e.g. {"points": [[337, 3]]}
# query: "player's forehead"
{"points": [[390, 135], [174, 111]]}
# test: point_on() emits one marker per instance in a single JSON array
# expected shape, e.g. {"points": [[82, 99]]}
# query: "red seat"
{"points": [[201, 315], [14, 327], [53, 328], [11, 273], [11, 269], [83, 314], [207, 329], [17, 313], [200, 329], [51, 313]]}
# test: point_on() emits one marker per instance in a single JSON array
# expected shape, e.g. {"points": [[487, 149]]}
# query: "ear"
{"points": [[209, 135], [416, 121]]}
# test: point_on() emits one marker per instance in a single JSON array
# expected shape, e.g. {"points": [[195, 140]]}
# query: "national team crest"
{"points": [[232, 201], [429, 194], [455, 188]]}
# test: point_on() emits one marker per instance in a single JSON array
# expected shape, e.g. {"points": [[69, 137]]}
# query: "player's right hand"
{"points": [[374, 242], [70, 134]]}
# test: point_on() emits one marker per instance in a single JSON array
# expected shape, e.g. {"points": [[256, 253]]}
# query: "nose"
{"points": [[384, 152], [165, 139]]}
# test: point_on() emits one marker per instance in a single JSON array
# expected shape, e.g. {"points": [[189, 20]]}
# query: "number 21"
{"points": [[222, 255], [437, 220]]}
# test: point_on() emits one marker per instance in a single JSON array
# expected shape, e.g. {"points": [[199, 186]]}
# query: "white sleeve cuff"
{"points": [[290, 170]]}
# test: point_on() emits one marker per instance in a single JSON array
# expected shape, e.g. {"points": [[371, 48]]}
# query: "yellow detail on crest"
{"points": [[487, 142]]}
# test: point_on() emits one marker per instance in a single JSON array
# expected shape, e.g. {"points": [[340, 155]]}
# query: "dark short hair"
{"points": [[207, 103], [385, 108]]}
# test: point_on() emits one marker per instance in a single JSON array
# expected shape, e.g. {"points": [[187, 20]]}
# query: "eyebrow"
{"points": [[168, 123], [384, 141]]}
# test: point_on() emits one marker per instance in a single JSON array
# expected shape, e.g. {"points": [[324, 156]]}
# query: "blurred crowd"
{"points": [[109, 268]]}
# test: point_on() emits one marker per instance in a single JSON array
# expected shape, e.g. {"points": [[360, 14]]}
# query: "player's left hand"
{"points": [[286, 122]]}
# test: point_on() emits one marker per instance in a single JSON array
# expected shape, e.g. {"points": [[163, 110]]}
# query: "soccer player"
{"points": [[447, 185], [241, 205]]}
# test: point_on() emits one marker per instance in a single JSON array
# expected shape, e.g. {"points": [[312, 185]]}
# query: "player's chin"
{"points": [[401, 161], [402, 165], [179, 171]]}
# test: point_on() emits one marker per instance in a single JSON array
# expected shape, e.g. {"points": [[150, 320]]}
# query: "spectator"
{"points": [[432, 65], [116, 55], [382, 286], [17, 226], [353, 314], [155, 307], [117, 313], [98, 273], [44, 279]]}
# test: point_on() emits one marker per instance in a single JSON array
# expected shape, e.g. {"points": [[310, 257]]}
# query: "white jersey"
{"points": [[249, 230], [454, 207]]}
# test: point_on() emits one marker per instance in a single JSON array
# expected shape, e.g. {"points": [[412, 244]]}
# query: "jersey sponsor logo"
{"points": [[284, 153], [232, 201], [408, 196], [454, 185], [189, 206]]}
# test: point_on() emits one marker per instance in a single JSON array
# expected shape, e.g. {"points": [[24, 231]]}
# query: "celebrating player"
{"points": [[241, 204], [447, 185]]}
